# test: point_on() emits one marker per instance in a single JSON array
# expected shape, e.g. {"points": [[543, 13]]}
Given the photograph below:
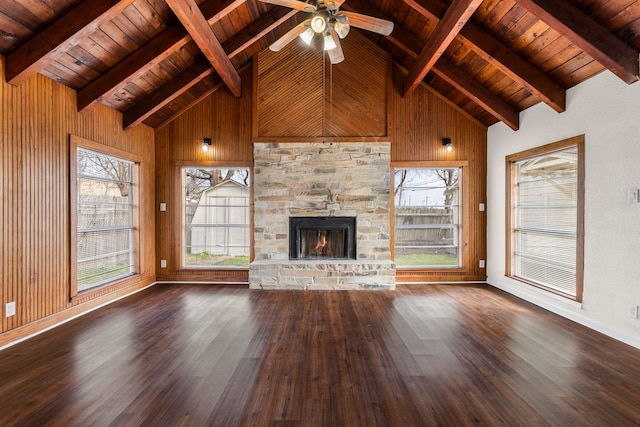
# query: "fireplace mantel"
{"points": [[322, 179]]}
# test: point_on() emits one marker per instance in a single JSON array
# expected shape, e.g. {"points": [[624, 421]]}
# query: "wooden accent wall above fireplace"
{"points": [[299, 94]]}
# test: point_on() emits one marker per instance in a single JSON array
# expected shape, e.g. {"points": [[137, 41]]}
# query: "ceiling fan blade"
{"points": [[336, 55], [341, 28], [376, 25], [334, 4], [290, 35], [293, 4]]}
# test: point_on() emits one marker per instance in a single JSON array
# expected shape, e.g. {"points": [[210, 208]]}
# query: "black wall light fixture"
{"points": [[206, 143], [447, 143]]}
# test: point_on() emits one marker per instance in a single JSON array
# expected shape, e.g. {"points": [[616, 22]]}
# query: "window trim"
{"points": [[76, 142], [511, 196], [178, 221], [463, 230]]}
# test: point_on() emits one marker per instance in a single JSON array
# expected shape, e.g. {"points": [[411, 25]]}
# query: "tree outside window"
{"points": [[427, 217], [105, 230]]}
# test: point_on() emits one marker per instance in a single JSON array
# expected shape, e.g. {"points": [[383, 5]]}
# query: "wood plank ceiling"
{"points": [[151, 59]]}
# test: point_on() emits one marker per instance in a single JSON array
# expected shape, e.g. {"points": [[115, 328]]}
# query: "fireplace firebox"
{"points": [[322, 237]]}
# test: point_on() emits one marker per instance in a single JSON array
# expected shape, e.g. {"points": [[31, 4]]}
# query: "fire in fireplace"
{"points": [[322, 237]]}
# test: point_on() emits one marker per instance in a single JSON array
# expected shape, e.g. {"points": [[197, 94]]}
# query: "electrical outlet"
{"points": [[10, 309], [632, 311], [163, 263], [163, 207], [481, 263], [481, 207]]}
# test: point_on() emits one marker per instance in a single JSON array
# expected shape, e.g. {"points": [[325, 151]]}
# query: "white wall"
{"points": [[607, 112]]}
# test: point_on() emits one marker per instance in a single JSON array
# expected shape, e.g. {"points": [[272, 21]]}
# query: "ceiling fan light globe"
{"points": [[307, 36], [342, 29], [328, 42], [318, 24]]}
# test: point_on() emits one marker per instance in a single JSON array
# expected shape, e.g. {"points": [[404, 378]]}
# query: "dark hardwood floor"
{"points": [[439, 355]]}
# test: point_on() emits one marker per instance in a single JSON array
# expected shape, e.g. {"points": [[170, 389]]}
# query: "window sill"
{"points": [[106, 288], [544, 290], [214, 268]]}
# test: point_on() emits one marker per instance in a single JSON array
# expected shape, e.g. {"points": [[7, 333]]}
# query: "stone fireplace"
{"points": [[322, 216]]}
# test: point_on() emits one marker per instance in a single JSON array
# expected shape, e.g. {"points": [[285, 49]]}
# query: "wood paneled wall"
{"points": [[300, 96], [419, 124], [39, 115], [227, 121], [37, 118], [290, 103]]}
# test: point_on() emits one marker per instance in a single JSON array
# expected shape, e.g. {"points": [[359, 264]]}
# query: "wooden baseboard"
{"points": [[422, 276]]}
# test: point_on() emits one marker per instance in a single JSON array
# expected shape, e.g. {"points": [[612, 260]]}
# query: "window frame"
{"points": [[511, 198], [179, 245], [463, 213], [75, 143]]}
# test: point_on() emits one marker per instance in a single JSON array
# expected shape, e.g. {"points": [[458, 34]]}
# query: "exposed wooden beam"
{"points": [[236, 45], [515, 67], [136, 64], [167, 93], [217, 84], [595, 40], [140, 61], [399, 37], [60, 36], [411, 45], [461, 81], [478, 93], [197, 26], [500, 56], [258, 29], [432, 10], [452, 22]]}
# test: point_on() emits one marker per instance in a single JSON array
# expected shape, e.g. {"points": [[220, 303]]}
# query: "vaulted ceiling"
{"points": [[151, 59]]}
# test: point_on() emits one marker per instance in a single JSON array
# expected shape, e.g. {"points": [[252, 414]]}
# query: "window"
{"points": [[103, 216], [545, 222], [427, 217], [216, 217]]}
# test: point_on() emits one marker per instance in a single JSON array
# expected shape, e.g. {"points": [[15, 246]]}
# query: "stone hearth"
{"points": [[321, 179]]}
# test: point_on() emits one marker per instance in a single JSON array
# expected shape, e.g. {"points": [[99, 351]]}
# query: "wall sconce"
{"points": [[447, 143], [206, 143]]}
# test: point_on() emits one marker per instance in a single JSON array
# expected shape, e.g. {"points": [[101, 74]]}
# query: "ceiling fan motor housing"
{"points": [[319, 21]]}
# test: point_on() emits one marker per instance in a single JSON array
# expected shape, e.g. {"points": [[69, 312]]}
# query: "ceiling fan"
{"points": [[330, 22]]}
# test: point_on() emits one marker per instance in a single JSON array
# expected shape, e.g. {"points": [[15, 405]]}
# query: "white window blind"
{"points": [[546, 214]]}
